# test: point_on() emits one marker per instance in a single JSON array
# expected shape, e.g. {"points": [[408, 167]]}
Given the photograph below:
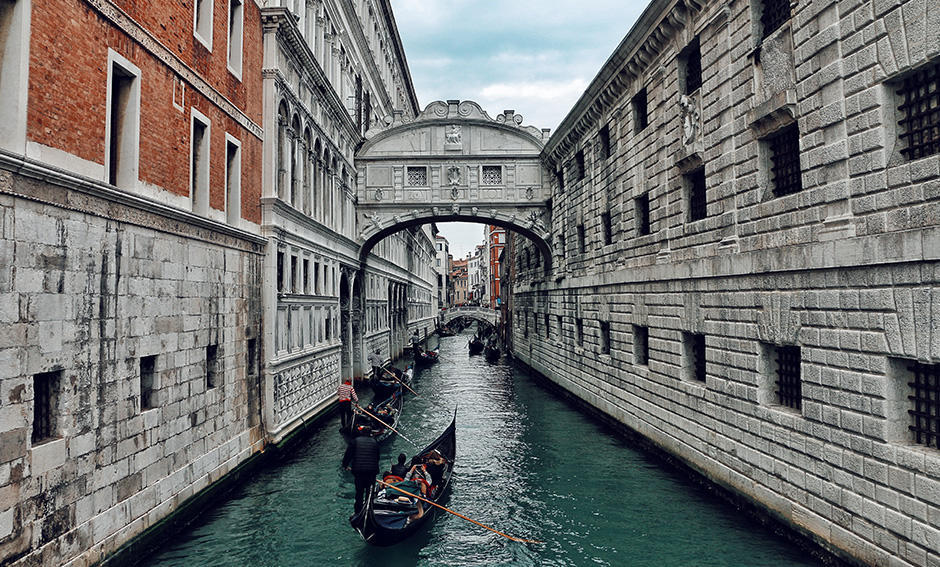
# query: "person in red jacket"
{"points": [[347, 395]]}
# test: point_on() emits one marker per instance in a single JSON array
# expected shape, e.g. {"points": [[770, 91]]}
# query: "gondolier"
{"points": [[347, 395], [375, 359], [362, 458]]}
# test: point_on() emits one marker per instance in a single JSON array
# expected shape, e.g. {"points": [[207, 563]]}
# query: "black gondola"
{"points": [[386, 520], [476, 345], [388, 411], [492, 351], [426, 357], [446, 332]]}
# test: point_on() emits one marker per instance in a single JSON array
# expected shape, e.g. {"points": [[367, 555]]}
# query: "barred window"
{"points": [[417, 177], [148, 366], [641, 345], [640, 114], [492, 175], [698, 204], [643, 214], [920, 113], [775, 13], [925, 404], [691, 59], [789, 384], [785, 172], [46, 387]]}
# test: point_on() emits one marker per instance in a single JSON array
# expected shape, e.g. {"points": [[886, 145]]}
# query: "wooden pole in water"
{"points": [[457, 514], [402, 383], [365, 411]]}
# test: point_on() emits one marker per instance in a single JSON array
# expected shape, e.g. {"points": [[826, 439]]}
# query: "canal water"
{"points": [[529, 464]]}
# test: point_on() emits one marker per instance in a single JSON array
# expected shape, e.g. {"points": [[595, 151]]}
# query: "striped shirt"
{"points": [[346, 392]]}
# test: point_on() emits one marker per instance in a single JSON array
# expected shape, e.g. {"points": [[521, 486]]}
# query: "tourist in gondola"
{"points": [[362, 458], [347, 395], [400, 469]]}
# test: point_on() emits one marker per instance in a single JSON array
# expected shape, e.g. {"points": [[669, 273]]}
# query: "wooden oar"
{"points": [[365, 411], [458, 514], [397, 379]]}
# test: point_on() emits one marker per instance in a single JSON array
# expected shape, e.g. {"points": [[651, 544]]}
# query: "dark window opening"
{"points": [[641, 348], [925, 404], [579, 330], [775, 14], [212, 366], [45, 401], [581, 243], [251, 357], [698, 204], [785, 156], [121, 91], [789, 389], [607, 228], [643, 214], [695, 343], [640, 111], [920, 113], [692, 64], [548, 328], [306, 272], [604, 138], [280, 272], [605, 337], [579, 165], [148, 365]]}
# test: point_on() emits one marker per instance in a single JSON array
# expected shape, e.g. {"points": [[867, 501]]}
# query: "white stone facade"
{"points": [[683, 276]]}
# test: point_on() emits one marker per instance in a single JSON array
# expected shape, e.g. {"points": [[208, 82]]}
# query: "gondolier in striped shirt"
{"points": [[347, 395]]}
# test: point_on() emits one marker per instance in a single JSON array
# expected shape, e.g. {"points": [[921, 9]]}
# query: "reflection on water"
{"points": [[528, 465]]}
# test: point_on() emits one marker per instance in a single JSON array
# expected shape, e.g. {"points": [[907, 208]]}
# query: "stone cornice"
{"points": [[632, 58], [150, 43]]}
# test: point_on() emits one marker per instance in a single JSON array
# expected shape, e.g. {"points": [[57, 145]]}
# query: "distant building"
{"points": [[442, 267], [495, 242], [458, 277]]}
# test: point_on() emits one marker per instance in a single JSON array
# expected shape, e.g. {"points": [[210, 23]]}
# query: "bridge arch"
{"points": [[453, 162]]}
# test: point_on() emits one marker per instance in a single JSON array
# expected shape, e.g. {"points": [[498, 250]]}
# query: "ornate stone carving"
{"points": [[688, 109], [375, 218], [453, 175], [454, 193], [474, 211], [379, 194], [455, 208], [452, 137], [529, 193], [535, 220]]}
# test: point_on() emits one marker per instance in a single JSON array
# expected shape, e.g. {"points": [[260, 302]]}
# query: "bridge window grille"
{"points": [[45, 400], [641, 348], [920, 113], [643, 214], [775, 14], [691, 60], [785, 156], [640, 111], [698, 203], [603, 137], [492, 175], [417, 177], [789, 384], [925, 404], [605, 337]]}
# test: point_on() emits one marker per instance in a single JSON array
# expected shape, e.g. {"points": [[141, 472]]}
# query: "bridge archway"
{"points": [[454, 163]]}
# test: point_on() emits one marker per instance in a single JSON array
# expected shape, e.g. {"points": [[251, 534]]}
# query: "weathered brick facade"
{"points": [[690, 280]]}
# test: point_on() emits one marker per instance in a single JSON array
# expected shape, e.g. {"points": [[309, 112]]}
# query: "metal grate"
{"points": [[643, 214], [785, 156], [925, 399], [698, 204], [920, 113], [492, 175], [789, 385], [417, 177], [693, 67], [775, 14]]}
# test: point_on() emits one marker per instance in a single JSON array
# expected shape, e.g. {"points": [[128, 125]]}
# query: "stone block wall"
{"points": [[680, 331]]}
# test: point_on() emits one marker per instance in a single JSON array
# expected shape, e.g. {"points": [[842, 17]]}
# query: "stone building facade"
{"points": [[180, 284], [746, 255]]}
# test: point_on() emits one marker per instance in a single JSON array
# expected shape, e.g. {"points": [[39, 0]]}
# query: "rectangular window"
{"points": [[581, 243], [306, 275], [148, 374], [784, 147], [233, 180], [123, 127], [642, 214], [579, 165], [695, 185], [212, 366], [417, 177], [924, 398], [691, 67], [316, 278], [605, 337], [199, 164], [641, 345], [607, 228], [640, 111], [525, 331], [559, 326], [920, 113], [294, 282], [235, 25], [603, 137], [548, 328], [774, 14], [788, 385], [202, 22], [492, 175], [46, 388], [694, 347], [560, 179], [251, 357], [579, 331], [280, 272]]}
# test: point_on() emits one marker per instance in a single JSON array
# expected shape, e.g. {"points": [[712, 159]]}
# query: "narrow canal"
{"points": [[528, 464]]}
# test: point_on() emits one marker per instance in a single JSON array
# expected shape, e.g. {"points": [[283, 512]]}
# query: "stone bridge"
{"points": [[453, 163], [491, 316]]}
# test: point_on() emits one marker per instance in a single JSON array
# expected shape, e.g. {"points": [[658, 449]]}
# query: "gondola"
{"points": [[492, 352], [476, 345], [387, 410], [426, 357], [446, 332], [386, 519]]}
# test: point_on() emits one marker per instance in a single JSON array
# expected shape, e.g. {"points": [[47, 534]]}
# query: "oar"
{"points": [[457, 514], [365, 411], [402, 383]]}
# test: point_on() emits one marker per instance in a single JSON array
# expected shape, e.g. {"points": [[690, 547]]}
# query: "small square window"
{"points": [[784, 365], [492, 175], [417, 177], [924, 399], [695, 356]]}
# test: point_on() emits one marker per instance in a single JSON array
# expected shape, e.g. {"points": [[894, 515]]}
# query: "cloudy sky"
{"points": [[532, 56]]}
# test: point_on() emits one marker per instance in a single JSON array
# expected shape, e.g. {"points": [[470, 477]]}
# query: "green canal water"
{"points": [[529, 464]]}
